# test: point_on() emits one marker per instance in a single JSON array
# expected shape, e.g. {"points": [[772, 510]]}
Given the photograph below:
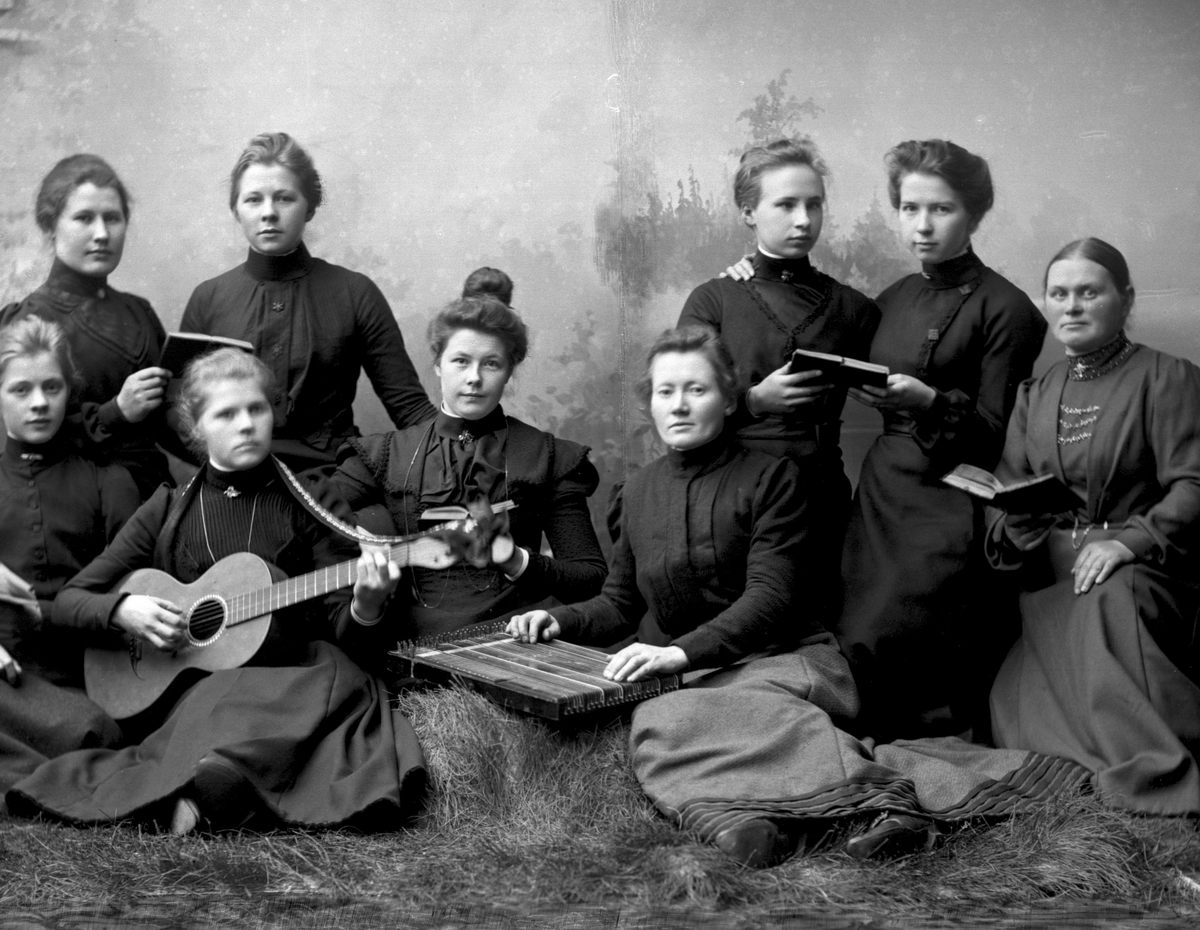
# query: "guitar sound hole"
{"points": [[206, 620]]}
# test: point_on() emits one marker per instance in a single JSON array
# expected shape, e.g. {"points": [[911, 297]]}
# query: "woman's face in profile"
{"points": [[271, 209], [686, 403], [474, 370]]}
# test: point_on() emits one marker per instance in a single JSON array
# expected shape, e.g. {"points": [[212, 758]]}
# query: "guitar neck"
{"points": [[423, 549]]}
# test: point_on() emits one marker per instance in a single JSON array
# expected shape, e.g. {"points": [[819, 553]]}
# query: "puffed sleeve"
{"points": [[87, 601], [1167, 531], [768, 614], [961, 428], [386, 361], [577, 569]]}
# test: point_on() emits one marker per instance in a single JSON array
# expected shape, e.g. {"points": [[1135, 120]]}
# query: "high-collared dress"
{"points": [[111, 335], [790, 305], [915, 623], [58, 510], [1111, 677], [315, 735], [317, 326], [450, 461]]}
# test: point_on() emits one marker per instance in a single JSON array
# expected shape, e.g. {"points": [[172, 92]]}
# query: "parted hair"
{"points": [[701, 340], [484, 314], [1107, 256], [493, 281], [34, 335], [968, 174], [69, 174], [747, 183], [218, 365], [278, 148]]}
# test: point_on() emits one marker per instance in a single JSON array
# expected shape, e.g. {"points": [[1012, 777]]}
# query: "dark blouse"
{"points": [[316, 325], [185, 531], [710, 558], [447, 461], [111, 335], [58, 510], [972, 336], [787, 305]]}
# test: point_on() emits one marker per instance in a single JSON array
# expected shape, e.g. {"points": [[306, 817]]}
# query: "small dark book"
{"points": [[1039, 495], [182, 348], [850, 372]]}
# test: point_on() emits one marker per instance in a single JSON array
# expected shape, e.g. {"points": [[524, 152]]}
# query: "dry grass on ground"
{"points": [[521, 817]]}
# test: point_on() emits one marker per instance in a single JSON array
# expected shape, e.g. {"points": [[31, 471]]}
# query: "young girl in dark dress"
{"points": [[58, 510], [959, 339], [785, 305], [116, 339], [298, 736], [316, 325]]}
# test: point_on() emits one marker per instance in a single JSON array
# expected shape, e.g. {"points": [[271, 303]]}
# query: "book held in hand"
{"points": [[1039, 495], [848, 372], [182, 348]]}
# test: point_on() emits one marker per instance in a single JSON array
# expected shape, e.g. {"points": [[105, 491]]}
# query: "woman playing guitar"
{"points": [[300, 735]]}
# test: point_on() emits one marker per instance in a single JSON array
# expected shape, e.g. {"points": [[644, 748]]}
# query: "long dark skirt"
{"points": [[765, 739], [920, 624], [1092, 679], [319, 743], [40, 720]]}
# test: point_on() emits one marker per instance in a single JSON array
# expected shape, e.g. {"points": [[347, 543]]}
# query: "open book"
{"points": [[850, 372], [1039, 495], [182, 348]]}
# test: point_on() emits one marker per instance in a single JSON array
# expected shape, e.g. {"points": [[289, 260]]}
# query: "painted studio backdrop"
{"points": [[587, 148]]}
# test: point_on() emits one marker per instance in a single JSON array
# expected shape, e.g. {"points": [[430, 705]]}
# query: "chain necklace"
{"points": [[204, 523]]}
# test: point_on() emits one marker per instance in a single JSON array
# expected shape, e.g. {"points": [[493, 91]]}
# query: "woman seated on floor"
{"points": [[1106, 671], [472, 449], [711, 560], [58, 510], [300, 735]]}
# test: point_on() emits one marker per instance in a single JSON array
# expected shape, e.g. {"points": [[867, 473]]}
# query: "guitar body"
{"points": [[127, 681]]}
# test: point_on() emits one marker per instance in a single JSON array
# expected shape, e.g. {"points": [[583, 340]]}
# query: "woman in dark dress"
{"points": [[784, 304], [298, 736], [116, 339], [958, 339], [58, 510], [711, 562], [1106, 671], [473, 448], [314, 324]]}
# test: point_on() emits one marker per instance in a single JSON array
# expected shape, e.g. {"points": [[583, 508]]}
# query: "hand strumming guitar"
{"points": [[152, 619]]}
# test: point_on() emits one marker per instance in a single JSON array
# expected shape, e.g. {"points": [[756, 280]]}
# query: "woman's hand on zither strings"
{"points": [[153, 619], [903, 392], [10, 668], [533, 626], [1097, 560], [377, 578], [782, 391], [641, 660]]}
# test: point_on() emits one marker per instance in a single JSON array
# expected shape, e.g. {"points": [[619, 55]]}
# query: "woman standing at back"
{"points": [[959, 339], [316, 325]]}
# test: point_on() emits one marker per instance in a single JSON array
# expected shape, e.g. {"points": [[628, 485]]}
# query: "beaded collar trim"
{"points": [[1101, 361]]}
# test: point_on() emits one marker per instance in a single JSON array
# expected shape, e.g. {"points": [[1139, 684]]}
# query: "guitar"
{"points": [[228, 613]]}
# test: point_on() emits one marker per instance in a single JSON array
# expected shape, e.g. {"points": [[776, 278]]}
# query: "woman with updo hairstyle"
{"points": [[485, 281], [115, 412], [299, 735], [773, 303], [473, 450], [314, 324], [1106, 671], [923, 632], [59, 510]]}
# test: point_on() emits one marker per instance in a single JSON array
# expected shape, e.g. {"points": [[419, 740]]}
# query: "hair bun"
{"points": [[489, 282]]}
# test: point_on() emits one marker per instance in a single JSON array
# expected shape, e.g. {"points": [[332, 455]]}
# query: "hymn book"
{"points": [[849, 372], [1039, 495]]}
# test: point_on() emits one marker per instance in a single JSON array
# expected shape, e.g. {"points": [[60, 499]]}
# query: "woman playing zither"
{"points": [[473, 449], [301, 735], [1106, 671], [58, 510], [710, 560]]}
